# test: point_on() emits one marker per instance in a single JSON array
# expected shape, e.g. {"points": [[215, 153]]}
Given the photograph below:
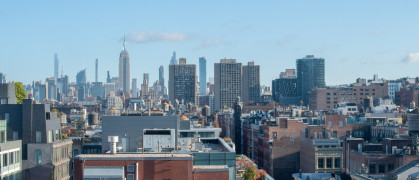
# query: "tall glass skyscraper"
{"points": [[202, 76], [96, 69], [161, 79], [56, 61], [173, 60], [310, 75]]}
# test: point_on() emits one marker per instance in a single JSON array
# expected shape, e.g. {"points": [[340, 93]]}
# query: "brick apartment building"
{"points": [[281, 148], [405, 96], [275, 146], [330, 97], [145, 166]]}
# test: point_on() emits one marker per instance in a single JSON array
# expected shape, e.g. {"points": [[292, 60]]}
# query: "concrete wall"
{"points": [[132, 127]]}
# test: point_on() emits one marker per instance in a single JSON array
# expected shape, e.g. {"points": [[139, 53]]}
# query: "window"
{"points": [[7, 117], [306, 132], [57, 135], [372, 168], [274, 134], [38, 156], [320, 163], [130, 177], [130, 168], [15, 135], [75, 152], [390, 167], [381, 168], [361, 94], [337, 162], [340, 123], [348, 133], [11, 158], [5, 160], [329, 162], [17, 157], [330, 123], [38, 136], [335, 134], [50, 136], [328, 94], [47, 116]]}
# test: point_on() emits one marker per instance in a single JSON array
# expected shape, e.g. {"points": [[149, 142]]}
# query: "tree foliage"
{"points": [[250, 173], [20, 92]]}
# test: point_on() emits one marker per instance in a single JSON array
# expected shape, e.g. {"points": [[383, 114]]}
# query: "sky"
{"points": [[356, 38]]}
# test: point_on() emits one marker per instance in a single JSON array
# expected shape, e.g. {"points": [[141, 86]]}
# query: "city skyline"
{"points": [[275, 33]]}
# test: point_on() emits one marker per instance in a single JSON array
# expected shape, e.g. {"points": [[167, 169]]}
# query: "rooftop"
{"points": [[210, 168], [134, 156]]}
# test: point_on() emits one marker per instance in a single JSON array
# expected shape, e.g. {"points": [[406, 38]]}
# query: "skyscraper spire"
{"points": [[124, 44]]}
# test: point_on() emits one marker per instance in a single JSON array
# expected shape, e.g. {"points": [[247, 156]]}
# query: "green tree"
{"points": [[250, 173], [20, 92]]}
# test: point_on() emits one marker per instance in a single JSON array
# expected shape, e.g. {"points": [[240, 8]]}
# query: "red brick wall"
{"points": [[149, 169], [341, 131], [211, 175]]}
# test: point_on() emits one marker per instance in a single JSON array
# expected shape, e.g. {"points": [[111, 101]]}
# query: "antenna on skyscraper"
{"points": [[124, 44]]}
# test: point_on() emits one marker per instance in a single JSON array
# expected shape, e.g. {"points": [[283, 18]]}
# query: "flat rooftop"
{"points": [[210, 168], [135, 156]]}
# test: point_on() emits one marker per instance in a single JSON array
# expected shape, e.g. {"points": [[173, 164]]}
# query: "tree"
{"points": [[250, 173], [20, 92]]}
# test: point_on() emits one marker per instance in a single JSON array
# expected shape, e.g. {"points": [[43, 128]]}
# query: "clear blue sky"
{"points": [[356, 38]]}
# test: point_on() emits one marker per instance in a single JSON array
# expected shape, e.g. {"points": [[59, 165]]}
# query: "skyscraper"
{"points": [[134, 88], [202, 76], [182, 82], [2, 78], [96, 69], [147, 75], [124, 70], [227, 83], [173, 60], [81, 83], [251, 83], [310, 75], [81, 78], [108, 78], [144, 87], [63, 85], [284, 89], [52, 88], [56, 66], [161, 79]]}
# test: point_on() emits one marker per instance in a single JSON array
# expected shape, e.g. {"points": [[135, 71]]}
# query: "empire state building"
{"points": [[124, 72]]}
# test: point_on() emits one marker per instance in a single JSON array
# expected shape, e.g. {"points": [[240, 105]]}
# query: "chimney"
{"points": [[113, 140]]}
